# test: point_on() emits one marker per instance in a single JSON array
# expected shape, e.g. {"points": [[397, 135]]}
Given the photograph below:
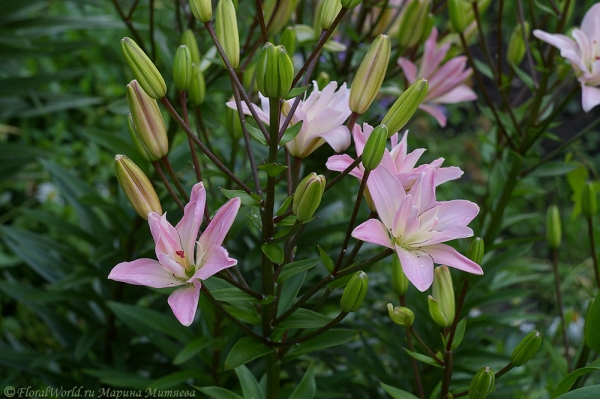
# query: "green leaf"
{"points": [[273, 169], [290, 133], [250, 387], [85, 342], [304, 318], [291, 269], [245, 350], [296, 91], [218, 392], [173, 379], [256, 133], [553, 169], [567, 382], [191, 350], [232, 295], [422, 358], [397, 393], [289, 292], [307, 387], [243, 311], [247, 199], [326, 259], [592, 392], [284, 207], [459, 333], [326, 340], [119, 378], [14, 157], [592, 325], [274, 252]]}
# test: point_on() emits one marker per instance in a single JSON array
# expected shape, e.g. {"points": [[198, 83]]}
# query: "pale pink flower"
{"points": [[183, 258], [322, 113], [398, 161], [415, 225], [446, 79], [583, 53]]}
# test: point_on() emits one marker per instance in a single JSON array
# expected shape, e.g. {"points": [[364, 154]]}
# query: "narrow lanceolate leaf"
{"points": [[307, 387], [274, 252], [423, 358], [290, 133], [191, 350], [397, 393], [250, 387], [304, 318], [291, 269], [245, 350], [326, 340]]}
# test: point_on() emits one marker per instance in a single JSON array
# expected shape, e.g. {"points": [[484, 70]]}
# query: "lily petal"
{"points": [[219, 226], [215, 260], [387, 193], [189, 226], [339, 163], [417, 266], [146, 272], [373, 231], [184, 303], [446, 255], [590, 97], [338, 138]]}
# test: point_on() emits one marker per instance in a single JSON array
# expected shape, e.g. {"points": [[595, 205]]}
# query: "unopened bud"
{"points": [[526, 349], [148, 121], [355, 292], [414, 20], [401, 315], [277, 14], [197, 90], [189, 39], [182, 68], [476, 250], [405, 106], [553, 228], [370, 74], [589, 202], [288, 40], [323, 80], [143, 69], [375, 147], [482, 384], [133, 133], [274, 71], [227, 31], [516, 45], [329, 11], [348, 4], [441, 302], [233, 123], [137, 187], [399, 279], [202, 10], [308, 196], [459, 10]]}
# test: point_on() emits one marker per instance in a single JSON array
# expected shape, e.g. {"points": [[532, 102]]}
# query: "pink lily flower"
{"points": [[183, 259], [323, 114], [398, 161], [415, 225], [445, 80], [583, 53]]}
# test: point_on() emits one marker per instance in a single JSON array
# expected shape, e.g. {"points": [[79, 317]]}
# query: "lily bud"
{"points": [[329, 10], [137, 187], [189, 39], [401, 315], [349, 4], [476, 250], [553, 228], [458, 10], [202, 10], [441, 304], [277, 14], [526, 349], [308, 196], [589, 202], [227, 31], [355, 292], [182, 68], [414, 20], [405, 106], [197, 90], [133, 133], [323, 80], [516, 45], [143, 69], [482, 383], [375, 147], [233, 123], [274, 71], [288, 39], [370, 74], [149, 123], [399, 279]]}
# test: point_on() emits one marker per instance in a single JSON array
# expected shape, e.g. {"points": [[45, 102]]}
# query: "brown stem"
{"points": [[165, 161], [168, 186], [413, 361], [593, 249], [559, 304]]}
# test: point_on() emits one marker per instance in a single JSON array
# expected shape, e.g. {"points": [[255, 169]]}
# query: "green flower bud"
{"points": [[189, 39], [137, 187], [399, 280], [427, 27], [476, 250], [349, 4], [355, 292], [227, 31], [553, 229], [375, 147], [414, 20], [516, 45], [274, 71], [405, 106], [197, 89], [133, 133], [441, 302], [329, 10], [202, 10], [233, 123], [149, 123], [182, 68], [401, 315], [459, 11], [277, 14], [589, 202], [308, 196], [143, 69], [370, 74], [323, 80], [482, 383], [526, 349], [288, 39]]}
